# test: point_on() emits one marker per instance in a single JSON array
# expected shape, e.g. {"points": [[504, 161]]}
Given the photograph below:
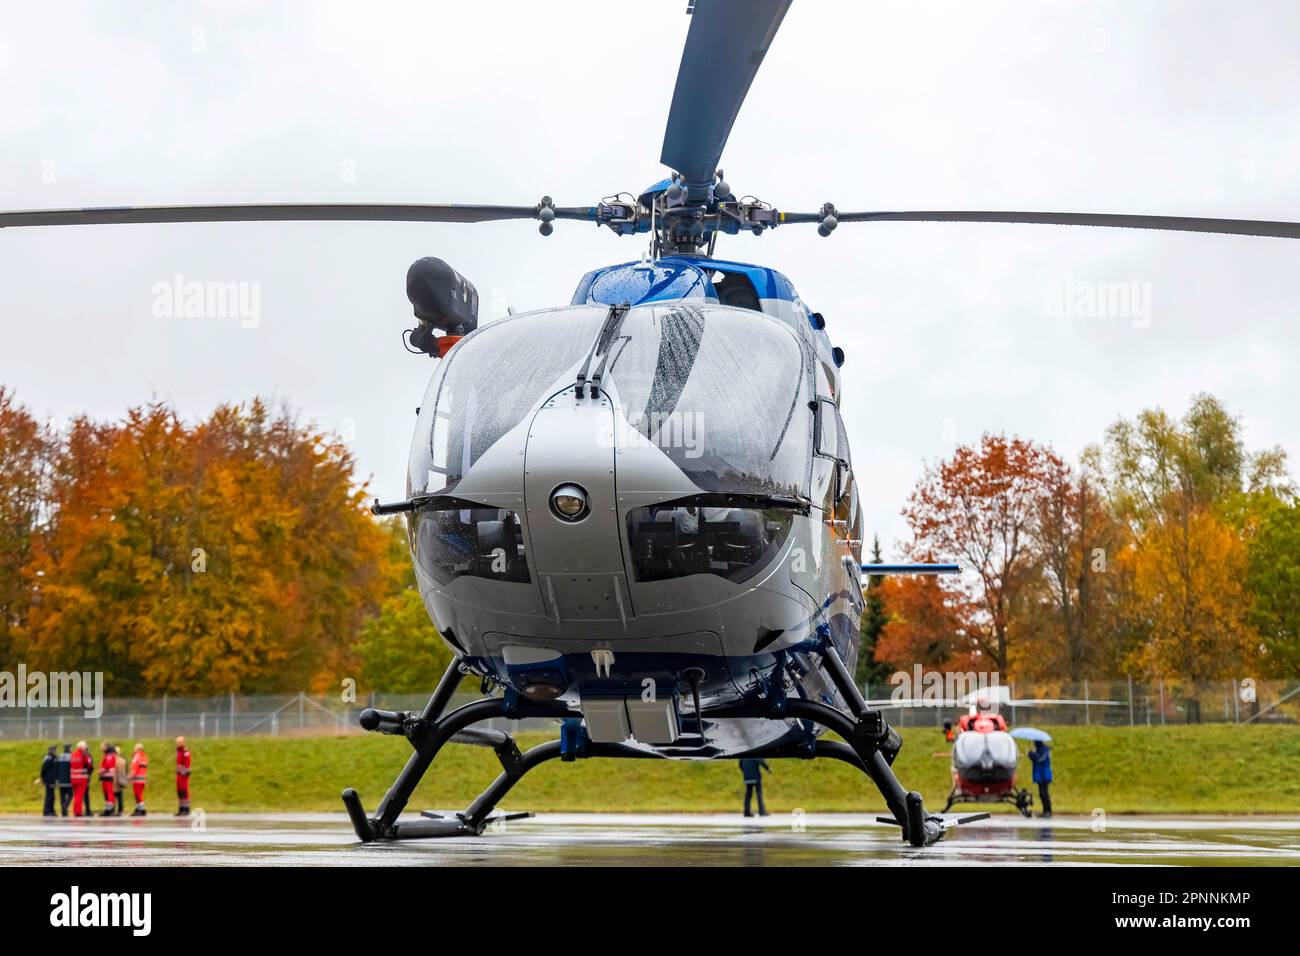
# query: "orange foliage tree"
{"points": [[233, 555], [1068, 626], [980, 508], [927, 625], [24, 455]]}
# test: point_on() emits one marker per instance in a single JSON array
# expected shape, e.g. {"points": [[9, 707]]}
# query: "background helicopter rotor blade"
{"points": [[1239, 227], [724, 47], [283, 212]]}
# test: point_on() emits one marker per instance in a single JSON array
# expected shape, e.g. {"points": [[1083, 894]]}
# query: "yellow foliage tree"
{"points": [[1188, 581]]}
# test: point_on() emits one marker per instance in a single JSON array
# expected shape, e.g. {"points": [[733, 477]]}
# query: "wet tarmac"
{"points": [[650, 840]]}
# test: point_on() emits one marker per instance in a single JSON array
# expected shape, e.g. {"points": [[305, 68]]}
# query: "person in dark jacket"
{"points": [[1041, 755], [752, 770], [64, 771], [50, 778]]}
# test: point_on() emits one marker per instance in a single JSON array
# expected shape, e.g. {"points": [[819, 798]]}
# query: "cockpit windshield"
{"points": [[488, 384], [723, 393]]}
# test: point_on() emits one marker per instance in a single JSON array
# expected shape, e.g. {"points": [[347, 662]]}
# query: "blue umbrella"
{"points": [[1031, 733]]}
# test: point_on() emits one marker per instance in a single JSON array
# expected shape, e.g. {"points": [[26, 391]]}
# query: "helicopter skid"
{"points": [[871, 746], [1021, 799]]}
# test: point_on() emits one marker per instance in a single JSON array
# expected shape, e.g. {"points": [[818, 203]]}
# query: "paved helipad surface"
{"points": [[626, 839]]}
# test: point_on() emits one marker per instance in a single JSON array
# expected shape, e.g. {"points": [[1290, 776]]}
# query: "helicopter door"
{"points": [[579, 559]]}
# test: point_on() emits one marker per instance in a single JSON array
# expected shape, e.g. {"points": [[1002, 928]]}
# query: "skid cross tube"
{"points": [[868, 749], [865, 749], [429, 741], [476, 816]]}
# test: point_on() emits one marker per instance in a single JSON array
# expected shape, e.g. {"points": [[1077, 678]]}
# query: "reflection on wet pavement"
{"points": [[654, 840]]}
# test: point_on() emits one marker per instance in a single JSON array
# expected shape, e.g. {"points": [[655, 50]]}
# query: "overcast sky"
{"points": [[1181, 108]]}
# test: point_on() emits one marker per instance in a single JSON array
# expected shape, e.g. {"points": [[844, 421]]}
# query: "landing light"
{"points": [[569, 503]]}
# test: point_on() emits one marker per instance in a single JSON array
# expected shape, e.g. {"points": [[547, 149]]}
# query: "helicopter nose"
{"points": [[569, 493]]}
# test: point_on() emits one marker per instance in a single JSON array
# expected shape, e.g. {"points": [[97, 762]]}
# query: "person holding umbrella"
{"points": [[1040, 755]]}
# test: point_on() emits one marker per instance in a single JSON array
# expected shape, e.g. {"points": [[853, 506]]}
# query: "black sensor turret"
{"points": [[442, 297]]}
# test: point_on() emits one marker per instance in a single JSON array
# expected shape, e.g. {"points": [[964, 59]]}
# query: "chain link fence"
{"points": [[1125, 703], [231, 715], [1105, 702]]}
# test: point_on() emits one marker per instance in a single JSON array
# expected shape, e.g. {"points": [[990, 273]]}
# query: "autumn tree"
{"points": [[232, 555], [1068, 622], [25, 446], [980, 508], [1177, 485], [926, 624], [1190, 581]]}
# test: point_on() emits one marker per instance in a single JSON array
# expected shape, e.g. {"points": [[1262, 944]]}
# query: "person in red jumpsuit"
{"points": [[182, 778], [139, 772], [80, 776], [88, 811], [108, 778]]}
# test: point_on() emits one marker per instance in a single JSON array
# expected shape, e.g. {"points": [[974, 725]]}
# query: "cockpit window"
{"points": [[724, 394], [736, 289], [648, 283], [472, 541], [681, 538], [488, 384]]}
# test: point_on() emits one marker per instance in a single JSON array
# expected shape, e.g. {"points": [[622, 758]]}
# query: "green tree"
{"points": [[1188, 492], [1273, 577], [401, 651], [399, 648], [1159, 468], [874, 617]]}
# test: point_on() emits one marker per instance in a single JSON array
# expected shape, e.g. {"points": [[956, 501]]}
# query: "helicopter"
{"points": [[636, 514], [984, 754]]}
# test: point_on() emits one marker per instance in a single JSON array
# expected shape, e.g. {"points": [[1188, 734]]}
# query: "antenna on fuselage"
{"points": [[648, 256], [654, 234]]}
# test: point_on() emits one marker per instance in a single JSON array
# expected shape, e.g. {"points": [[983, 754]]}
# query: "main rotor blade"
{"points": [[724, 47], [281, 212], [1238, 227]]}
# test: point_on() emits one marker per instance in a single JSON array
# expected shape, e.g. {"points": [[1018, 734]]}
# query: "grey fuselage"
{"points": [[722, 538]]}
